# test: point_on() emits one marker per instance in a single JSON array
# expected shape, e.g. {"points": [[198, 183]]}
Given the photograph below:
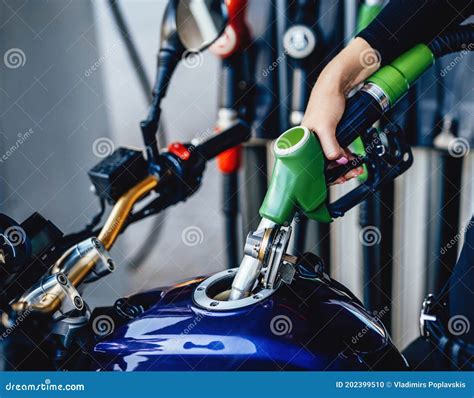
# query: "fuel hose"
{"points": [[388, 85]]}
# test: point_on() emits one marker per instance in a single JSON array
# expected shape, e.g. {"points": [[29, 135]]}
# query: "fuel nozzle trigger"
{"points": [[387, 155]]}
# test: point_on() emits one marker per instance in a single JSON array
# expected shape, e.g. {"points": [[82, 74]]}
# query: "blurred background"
{"points": [[76, 85]]}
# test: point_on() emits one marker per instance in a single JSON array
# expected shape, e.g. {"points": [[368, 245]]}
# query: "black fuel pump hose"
{"points": [[456, 40]]}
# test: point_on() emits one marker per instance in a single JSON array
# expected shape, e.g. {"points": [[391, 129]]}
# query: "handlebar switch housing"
{"points": [[117, 173]]}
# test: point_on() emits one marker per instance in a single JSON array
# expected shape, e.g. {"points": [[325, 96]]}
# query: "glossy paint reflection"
{"points": [[314, 324]]}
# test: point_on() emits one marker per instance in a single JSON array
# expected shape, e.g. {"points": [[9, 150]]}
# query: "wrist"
{"points": [[352, 65]]}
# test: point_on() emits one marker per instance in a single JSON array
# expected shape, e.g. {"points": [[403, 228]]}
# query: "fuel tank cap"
{"points": [[212, 293]]}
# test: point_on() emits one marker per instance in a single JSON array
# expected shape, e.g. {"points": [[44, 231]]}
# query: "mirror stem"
{"points": [[149, 129], [167, 62]]}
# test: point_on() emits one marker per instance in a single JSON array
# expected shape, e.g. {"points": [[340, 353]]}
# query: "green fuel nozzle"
{"points": [[299, 182], [298, 179]]}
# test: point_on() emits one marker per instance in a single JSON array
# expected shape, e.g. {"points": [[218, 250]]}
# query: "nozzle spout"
{"points": [[248, 272]]}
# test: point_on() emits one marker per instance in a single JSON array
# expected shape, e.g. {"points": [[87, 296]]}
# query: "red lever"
{"points": [[178, 149], [229, 161]]}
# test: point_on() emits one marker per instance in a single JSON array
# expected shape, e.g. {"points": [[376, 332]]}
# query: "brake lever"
{"points": [[388, 155]]}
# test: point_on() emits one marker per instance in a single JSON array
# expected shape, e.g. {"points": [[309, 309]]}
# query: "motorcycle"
{"points": [[276, 310]]}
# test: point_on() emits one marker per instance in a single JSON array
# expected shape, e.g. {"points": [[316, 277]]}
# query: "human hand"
{"points": [[328, 98]]}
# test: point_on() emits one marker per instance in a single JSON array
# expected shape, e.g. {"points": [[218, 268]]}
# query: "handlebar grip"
{"points": [[362, 111], [229, 138]]}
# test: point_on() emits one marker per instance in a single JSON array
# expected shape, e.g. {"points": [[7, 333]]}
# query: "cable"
{"points": [[131, 49], [152, 239]]}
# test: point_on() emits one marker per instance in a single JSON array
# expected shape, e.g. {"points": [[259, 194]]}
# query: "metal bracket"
{"points": [[88, 251], [269, 247], [51, 288], [425, 316], [72, 300]]}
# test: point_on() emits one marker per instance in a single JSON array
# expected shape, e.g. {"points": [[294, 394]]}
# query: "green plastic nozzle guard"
{"points": [[367, 14], [298, 180], [397, 78]]}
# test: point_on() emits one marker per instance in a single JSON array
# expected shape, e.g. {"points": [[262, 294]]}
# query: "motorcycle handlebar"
{"points": [[229, 138]]}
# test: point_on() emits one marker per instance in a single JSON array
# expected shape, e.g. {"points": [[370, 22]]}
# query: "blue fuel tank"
{"points": [[313, 324]]}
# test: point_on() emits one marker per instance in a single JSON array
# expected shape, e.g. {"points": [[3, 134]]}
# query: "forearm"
{"points": [[404, 23], [350, 67], [326, 104]]}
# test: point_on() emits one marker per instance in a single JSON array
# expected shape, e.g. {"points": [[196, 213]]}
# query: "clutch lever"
{"points": [[387, 155]]}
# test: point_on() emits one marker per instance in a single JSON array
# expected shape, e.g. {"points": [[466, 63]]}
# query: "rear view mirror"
{"points": [[200, 22], [188, 25]]}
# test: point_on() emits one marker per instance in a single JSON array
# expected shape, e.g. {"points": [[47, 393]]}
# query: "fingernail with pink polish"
{"points": [[342, 160]]}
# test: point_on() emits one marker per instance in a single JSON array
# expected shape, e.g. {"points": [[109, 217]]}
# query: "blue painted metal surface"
{"points": [[314, 324]]}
